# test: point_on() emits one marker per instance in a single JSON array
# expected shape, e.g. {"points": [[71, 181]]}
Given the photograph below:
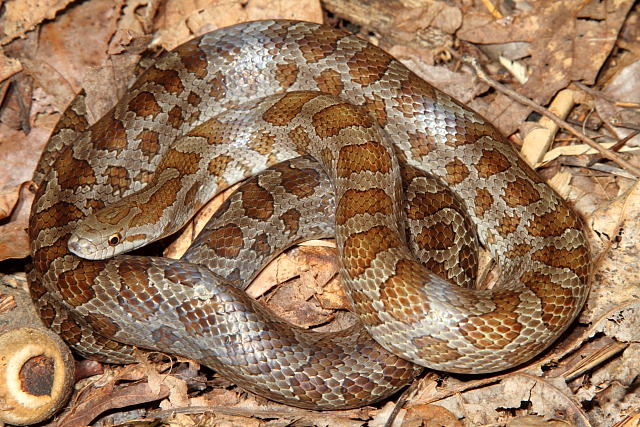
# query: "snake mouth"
{"points": [[81, 247]]}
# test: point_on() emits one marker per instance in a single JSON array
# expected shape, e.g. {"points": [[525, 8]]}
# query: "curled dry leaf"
{"points": [[616, 279]]}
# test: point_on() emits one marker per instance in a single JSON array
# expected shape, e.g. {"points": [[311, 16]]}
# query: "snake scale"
{"points": [[233, 102]]}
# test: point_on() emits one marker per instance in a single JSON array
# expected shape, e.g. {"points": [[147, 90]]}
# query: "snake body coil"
{"points": [[233, 102]]}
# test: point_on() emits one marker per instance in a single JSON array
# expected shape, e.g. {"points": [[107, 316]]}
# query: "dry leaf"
{"points": [[21, 16]]}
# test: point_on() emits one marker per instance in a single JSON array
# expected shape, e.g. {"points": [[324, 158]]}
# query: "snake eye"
{"points": [[114, 239]]}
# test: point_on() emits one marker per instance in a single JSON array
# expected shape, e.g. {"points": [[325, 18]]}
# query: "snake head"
{"points": [[107, 233]]}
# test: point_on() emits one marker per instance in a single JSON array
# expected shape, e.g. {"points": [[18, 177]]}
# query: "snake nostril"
{"points": [[79, 247], [74, 247]]}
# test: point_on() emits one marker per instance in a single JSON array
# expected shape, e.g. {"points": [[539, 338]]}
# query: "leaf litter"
{"points": [[590, 377]]}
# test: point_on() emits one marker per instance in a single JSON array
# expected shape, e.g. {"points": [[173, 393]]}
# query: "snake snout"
{"points": [[81, 247]]}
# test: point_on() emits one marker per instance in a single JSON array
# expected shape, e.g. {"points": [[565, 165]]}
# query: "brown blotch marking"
{"points": [[191, 314], [370, 156], [262, 142], [113, 214], [436, 268], [185, 163], [574, 259], [409, 173], [70, 331], [226, 241], [144, 104], [461, 135], [192, 195], [108, 134], [73, 173], [416, 94], [75, 286], [483, 201], [326, 157], [291, 220], [152, 210], [468, 263], [218, 165], [520, 193], [37, 292], [45, 256], [59, 215], [377, 109], [117, 177], [508, 224], [227, 52], [369, 65], [359, 202], [320, 44], [360, 249], [73, 120], [257, 202], [137, 294], [497, 328], [261, 246], [491, 162], [299, 182], [105, 344], [456, 171], [421, 143], [169, 80], [301, 138], [364, 307], [218, 86], [557, 302], [404, 303], [286, 74], [135, 237], [425, 204], [528, 170], [145, 176], [99, 322], [194, 99], [182, 275], [518, 250], [95, 204], [164, 337], [331, 120], [329, 81], [438, 349], [553, 223], [193, 58], [149, 142], [212, 131], [287, 107], [174, 117], [439, 236]]}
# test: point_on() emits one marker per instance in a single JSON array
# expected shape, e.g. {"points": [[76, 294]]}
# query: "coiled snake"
{"points": [[233, 102]]}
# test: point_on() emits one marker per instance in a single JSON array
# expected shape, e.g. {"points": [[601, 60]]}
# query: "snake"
{"points": [[236, 101]]}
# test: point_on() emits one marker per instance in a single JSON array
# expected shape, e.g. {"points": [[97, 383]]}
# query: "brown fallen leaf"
{"points": [[429, 416], [15, 205], [8, 200], [616, 277], [21, 16]]}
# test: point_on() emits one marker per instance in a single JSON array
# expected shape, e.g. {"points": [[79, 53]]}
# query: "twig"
{"points": [[543, 111]]}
